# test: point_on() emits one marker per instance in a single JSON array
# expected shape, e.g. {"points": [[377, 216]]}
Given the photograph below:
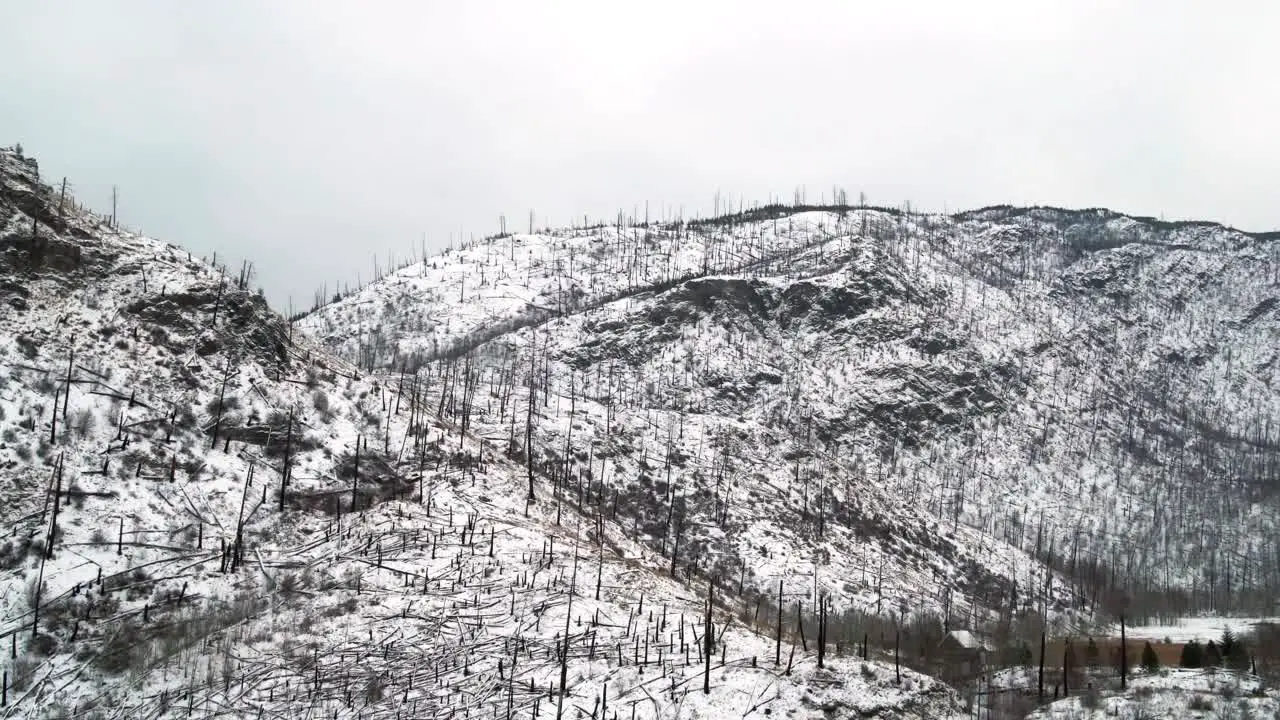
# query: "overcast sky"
{"points": [[310, 136]]}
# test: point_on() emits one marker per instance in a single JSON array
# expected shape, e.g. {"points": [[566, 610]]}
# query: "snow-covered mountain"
{"points": [[204, 515], [906, 410]]}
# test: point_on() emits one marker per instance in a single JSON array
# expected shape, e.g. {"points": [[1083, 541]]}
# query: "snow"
{"points": [[1173, 694], [441, 593], [1062, 362], [897, 413], [1202, 629], [965, 639]]}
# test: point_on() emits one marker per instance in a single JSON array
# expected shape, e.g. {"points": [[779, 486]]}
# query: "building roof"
{"points": [[966, 640]]}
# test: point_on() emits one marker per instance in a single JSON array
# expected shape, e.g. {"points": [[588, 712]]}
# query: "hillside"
{"points": [[207, 516], [912, 412]]}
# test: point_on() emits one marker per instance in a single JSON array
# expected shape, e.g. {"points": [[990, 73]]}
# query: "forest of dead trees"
{"points": [[1109, 573], [1218, 464]]}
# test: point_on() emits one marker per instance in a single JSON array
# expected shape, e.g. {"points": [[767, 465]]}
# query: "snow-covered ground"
{"points": [[898, 413], [155, 563], [1170, 695], [1202, 629], [960, 393]]}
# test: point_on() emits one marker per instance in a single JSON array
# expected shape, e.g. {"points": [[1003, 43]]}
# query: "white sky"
{"points": [[310, 135]]}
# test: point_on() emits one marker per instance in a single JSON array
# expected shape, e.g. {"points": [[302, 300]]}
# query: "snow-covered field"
{"points": [[1202, 629], [1171, 695]]}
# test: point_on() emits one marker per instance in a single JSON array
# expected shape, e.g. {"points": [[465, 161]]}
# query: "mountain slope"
{"points": [[940, 396], [206, 516]]}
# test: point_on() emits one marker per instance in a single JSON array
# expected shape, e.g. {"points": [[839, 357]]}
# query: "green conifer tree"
{"points": [[1150, 661], [1192, 655], [1212, 655]]}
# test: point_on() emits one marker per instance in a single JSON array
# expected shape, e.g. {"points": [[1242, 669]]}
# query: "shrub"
{"points": [[82, 422], [22, 671], [229, 403], [33, 587], [1091, 698], [13, 552], [123, 650], [1200, 702], [289, 583], [345, 607], [374, 689], [42, 645], [186, 418]]}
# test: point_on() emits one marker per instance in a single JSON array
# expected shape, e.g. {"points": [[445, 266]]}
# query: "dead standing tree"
{"points": [[564, 651], [528, 423], [284, 471], [355, 481], [222, 392]]}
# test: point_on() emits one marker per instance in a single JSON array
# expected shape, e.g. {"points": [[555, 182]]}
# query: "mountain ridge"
{"points": [[1048, 281]]}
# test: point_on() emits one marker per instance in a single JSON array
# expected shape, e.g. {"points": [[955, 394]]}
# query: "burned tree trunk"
{"points": [[822, 631], [708, 640], [355, 482], [777, 649], [288, 447], [1041, 683], [222, 392], [528, 424], [1124, 656]]}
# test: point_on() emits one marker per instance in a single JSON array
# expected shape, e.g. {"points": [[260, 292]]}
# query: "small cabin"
{"points": [[963, 655]]}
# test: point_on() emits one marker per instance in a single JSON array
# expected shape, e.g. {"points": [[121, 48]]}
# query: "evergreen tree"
{"points": [[1212, 655], [1022, 654], [1150, 661], [1235, 654], [1092, 657], [1192, 655]]}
